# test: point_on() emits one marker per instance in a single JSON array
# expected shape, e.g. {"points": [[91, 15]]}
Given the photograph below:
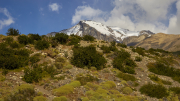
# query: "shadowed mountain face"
{"points": [[101, 31], [167, 42]]}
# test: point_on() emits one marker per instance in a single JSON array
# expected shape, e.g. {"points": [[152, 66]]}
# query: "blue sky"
{"points": [[45, 16]]}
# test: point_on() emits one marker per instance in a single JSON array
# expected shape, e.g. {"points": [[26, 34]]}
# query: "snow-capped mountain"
{"points": [[101, 31]]}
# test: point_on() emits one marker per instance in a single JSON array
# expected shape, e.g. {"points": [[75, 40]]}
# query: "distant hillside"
{"points": [[168, 42]]}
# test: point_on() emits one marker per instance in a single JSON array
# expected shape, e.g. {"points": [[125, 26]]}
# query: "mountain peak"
{"points": [[101, 31]]}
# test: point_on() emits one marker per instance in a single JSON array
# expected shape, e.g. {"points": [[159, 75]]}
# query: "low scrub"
{"points": [[88, 56], [40, 98], [175, 89], [13, 59], [66, 89], [153, 90], [122, 45], [138, 58], [62, 38], [88, 38], [123, 62], [61, 98], [24, 92], [158, 80], [84, 79], [162, 69], [42, 44], [126, 77], [108, 85], [127, 90]]}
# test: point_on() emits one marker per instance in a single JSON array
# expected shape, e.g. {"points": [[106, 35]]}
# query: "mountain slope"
{"points": [[101, 31], [168, 42]]}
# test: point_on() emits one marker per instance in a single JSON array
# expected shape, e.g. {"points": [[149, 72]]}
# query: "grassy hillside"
{"points": [[73, 68]]}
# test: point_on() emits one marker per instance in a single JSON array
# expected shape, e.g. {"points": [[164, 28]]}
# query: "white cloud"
{"points": [[134, 15], [5, 22], [54, 7], [174, 22], [86, 12]]}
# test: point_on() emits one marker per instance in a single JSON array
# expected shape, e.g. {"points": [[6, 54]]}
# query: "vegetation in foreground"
{"points": [[98, 71]]}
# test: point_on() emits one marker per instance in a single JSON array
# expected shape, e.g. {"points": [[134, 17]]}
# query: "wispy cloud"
{"points": [[54, 7], [135, 15], [86, 12], [8, 21]]}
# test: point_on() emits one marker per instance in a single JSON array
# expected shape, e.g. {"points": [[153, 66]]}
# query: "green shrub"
{"points": [[23, 39], [123, 62], [138, 58], [127, 90], [34, 59], [157, 91], [122, 45], [158, 80], [9, 40], [139, 50], [175, 89], [75, 84], [88, 38], [61, 98], [14, 45], [74, 41], [126, 77], [24, 92], [162, 69], [105, 49], [87, 56], [62, 38], [12, 59], [84, 79], [40, 98], [63, 90], [35, 37], [13, 32], [41, 45], [32, 75], [54, 43], [108, 85]]}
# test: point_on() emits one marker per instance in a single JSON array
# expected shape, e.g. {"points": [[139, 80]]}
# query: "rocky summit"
{"points": [[101, 31]]}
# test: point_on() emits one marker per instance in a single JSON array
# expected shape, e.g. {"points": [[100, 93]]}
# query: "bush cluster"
{"points": [[15, 45], [126, 77], [123, 62], [158, 80], [62, 38], [122, 45], [157, 91], [84, 79], [87, 56], [36, 73], [138, 58], [25, 92], [34, 59], [23, 39], [107, 49], [32, 75], [42, 44], [66, 89], [162, 69], [175, 89], [139, 50], [9, 40], [12, 59], [88, 38]]}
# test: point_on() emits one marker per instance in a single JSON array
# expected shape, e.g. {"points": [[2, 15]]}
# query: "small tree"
{"points": [[61, 38], [12, 31]]}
